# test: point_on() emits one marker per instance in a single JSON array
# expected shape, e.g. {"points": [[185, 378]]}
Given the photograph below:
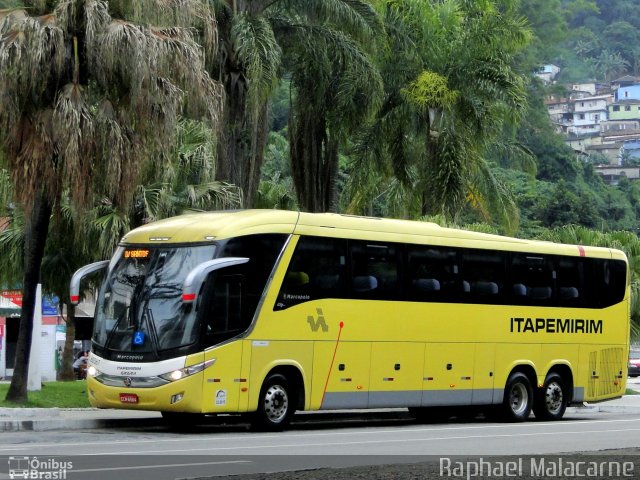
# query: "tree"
{"points": [[451, 90], [337, 89], [260, 41], [89, 95]]}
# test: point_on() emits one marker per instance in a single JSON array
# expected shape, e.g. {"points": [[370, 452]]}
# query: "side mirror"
{"points": [[74, 286], [196, 277]]}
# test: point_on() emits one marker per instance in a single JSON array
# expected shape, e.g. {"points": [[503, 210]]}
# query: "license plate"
{"points": [[128, 398]]}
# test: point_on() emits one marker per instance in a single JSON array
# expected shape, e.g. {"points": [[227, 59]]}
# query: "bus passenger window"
{"points": [[316, 271], [374, 270], [484, 275], [532, 279], [605, 282], [570, 281], [431, 274]]}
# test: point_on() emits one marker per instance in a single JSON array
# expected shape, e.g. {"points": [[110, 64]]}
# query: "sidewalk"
{"points": [[41, 419]]}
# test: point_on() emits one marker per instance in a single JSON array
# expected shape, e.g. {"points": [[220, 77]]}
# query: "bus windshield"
{"points": [[139, 307]]}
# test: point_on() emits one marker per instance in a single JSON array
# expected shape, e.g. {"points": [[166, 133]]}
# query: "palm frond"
{"points": [[256, 48]]}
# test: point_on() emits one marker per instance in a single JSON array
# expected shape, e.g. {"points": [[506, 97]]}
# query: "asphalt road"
{"points": [[159, 453]]}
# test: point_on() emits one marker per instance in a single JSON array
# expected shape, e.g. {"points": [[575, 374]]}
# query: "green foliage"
{"points": [[52, 395], [601, 42], [452, 91]]}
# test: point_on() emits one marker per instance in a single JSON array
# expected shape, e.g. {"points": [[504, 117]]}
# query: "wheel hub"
{"points": [[518, 399], [276, 403], [553, 397]]}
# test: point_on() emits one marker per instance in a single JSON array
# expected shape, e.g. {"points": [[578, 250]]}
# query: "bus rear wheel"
{"points": [[275, 405], [551, 401], [518, 398]]}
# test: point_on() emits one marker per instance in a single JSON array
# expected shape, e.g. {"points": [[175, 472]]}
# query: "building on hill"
{"points": [[630, 92], [548, 73], [610, 151], [588, 112], [630, 151], [626, 81], [628, 109], [613, 174]]}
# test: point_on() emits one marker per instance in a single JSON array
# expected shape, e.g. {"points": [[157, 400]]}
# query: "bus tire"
{"points": [[276, 404], [518, 398], [551, 400]]}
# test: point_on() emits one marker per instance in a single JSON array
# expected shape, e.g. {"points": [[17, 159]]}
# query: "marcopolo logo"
{"points": [[35, 468], [318, 324]]}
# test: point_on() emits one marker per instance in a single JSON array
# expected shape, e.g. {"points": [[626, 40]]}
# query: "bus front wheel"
{"points": [[518, 398], [551, 400], [275, 405]]}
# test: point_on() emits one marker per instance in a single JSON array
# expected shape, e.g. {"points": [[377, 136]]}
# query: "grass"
{"points": [[53, 394]]}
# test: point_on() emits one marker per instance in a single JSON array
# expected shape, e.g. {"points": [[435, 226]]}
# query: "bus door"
{"points": [[222, 321], [448, 374], [396, 370]]}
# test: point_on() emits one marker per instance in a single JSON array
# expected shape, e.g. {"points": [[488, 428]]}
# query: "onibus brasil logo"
{"points": [[41, 469]]}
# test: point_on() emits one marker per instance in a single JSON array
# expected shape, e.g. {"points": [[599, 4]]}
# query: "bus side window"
{"points": [[374, 270], [532, 279], [484, 274], [605, 282], [431, 274], [570, 281], [317, 270]]}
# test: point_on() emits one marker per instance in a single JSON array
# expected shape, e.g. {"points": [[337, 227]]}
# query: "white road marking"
{"points": [[333, 434]]}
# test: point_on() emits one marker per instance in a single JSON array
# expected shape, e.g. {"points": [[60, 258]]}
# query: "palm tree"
{"points": [[89, 95], [337, 87], [184, 182], [451, 90], [260, 40]]}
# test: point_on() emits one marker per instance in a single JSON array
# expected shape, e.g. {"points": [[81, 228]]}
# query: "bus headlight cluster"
{"points": [[186, 371]]}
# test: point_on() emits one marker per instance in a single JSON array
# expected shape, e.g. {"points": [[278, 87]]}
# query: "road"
{"points": [[159, 453]]}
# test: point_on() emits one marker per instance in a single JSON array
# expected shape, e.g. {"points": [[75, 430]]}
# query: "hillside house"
{"points": [[588, 112]]}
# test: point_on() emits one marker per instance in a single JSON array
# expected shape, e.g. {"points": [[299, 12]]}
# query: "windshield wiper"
{"points": [[115, 326], [147, 315]]}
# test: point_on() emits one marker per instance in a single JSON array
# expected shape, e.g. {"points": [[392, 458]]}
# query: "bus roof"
{"points": [[212, 226]]}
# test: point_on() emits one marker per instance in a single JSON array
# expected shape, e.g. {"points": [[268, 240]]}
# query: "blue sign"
{"points": [[138, 338], [49, 306]]}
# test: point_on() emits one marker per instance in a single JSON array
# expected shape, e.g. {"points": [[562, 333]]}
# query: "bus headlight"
{"points": [[92, 371], [187, 371]]}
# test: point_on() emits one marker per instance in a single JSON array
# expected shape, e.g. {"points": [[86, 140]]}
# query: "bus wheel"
{"points": [[275, 405], [518, 396], [551, 401]]}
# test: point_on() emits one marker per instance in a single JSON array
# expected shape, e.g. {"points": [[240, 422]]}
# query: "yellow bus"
{"points": [[267, 312]]}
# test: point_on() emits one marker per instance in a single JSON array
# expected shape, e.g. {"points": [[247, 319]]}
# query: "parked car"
{"points": [[634, 363]]}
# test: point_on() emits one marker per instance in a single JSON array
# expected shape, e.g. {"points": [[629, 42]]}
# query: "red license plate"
{"points": [[128, 398]]}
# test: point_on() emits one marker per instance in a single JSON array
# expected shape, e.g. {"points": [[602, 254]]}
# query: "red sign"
{"points": [[128, 398], [14, 295]]}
